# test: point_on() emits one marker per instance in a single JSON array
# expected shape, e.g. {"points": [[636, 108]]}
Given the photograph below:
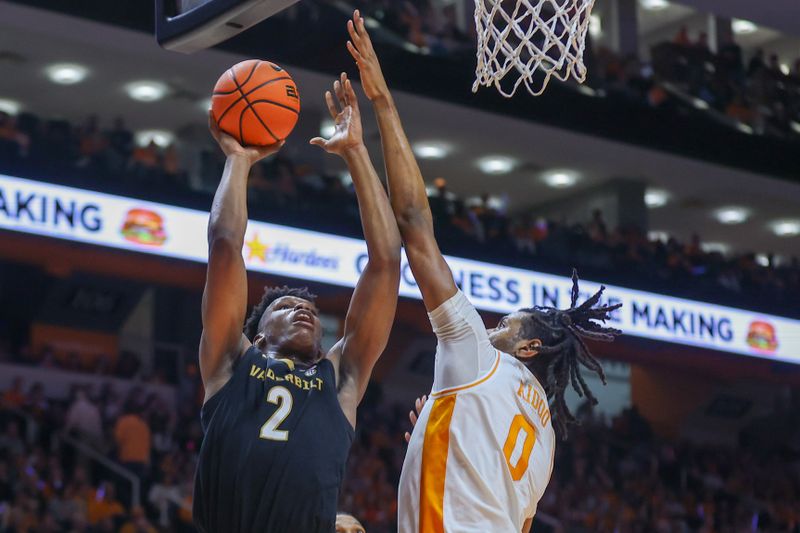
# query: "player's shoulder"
{"points": [[513, 366]]}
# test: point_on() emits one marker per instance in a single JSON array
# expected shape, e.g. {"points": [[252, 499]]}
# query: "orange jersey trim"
{"points": [[434, 466], [453, 390]]}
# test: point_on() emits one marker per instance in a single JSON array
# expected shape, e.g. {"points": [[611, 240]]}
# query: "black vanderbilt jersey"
{"points": [[273, 457]]}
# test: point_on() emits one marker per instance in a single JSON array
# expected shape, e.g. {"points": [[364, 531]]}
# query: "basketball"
{"points": [[256, 102]]}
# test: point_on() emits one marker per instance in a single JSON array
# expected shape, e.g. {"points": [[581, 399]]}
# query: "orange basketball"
{"points": [[256, 102]]}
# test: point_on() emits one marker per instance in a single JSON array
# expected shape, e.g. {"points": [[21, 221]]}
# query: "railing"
{"points": [[83, 449], [90, 453]]}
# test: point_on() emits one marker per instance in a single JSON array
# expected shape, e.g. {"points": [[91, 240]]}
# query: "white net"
{"points": [[532, 40]]}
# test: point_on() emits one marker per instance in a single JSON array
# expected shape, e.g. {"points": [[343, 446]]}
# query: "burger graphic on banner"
{"points": [[762, 337], [144, 226]]}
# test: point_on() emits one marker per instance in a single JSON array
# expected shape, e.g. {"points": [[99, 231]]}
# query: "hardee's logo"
{"points": [[144, 226], [762, 337], [258, 250]]}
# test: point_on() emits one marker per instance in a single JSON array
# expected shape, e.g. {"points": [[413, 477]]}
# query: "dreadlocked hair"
{"points": [[563, 333], [270, 295]]}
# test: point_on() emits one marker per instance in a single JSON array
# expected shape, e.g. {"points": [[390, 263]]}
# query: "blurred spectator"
{"points": [[145, 161], [11, 440], [133, 440], [103, 505], [92, 143], [138, 523], [84, 419], [14, 398], [682, 37], [120, 142], [597, 227], [756, 63]]}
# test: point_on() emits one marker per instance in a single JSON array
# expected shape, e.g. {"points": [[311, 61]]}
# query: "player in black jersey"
{"points": [[279, 414]]}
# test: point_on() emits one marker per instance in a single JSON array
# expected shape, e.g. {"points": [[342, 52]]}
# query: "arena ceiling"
{"points": [[115, 57], [781, 15]]}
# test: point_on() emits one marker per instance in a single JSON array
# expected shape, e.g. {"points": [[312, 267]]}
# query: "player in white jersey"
{"points": [[481, 454]]}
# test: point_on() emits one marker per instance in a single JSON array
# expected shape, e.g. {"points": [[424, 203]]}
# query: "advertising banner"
{"points": [[136, 225]]}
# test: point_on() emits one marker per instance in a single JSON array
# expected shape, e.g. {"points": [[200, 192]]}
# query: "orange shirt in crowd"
{"points": [[147, 156], [132, 436], [98, 509], [13, 399]]}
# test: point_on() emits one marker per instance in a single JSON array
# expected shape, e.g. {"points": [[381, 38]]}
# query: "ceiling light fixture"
{"points": [[431, 150], [146, 91], [595, 27], [655, 198], [10, 107], [162, 138], [66, 73], [327, 128], [743, 27], [732, 215], [346, 178], [496, 164], [786, 227], [657, 235], [719, 247], [654, 5], [560, 179]]}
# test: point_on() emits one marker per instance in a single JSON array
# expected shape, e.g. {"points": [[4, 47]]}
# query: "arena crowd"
{"points": [[610, 475]]}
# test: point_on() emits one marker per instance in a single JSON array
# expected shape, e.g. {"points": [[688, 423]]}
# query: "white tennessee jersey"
{"points": [[481, 453]]}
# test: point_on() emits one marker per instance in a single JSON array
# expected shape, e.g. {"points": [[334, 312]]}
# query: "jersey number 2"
{"points": [[519, 425], [281, 397]]}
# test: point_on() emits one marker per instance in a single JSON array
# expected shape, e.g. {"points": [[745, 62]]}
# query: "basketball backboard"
{"points": [[191, 25]]}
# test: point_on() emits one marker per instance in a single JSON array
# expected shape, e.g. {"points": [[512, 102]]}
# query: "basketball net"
{"points": [[535, 40]]}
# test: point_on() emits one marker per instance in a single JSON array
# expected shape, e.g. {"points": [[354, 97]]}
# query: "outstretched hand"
{"points": [[418, 405], [232, 147], [348, 133], [360, 47]]}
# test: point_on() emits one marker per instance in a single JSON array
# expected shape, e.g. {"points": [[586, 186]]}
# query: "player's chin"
{"points": [[303, 328], [497, 340], [304, 337]]}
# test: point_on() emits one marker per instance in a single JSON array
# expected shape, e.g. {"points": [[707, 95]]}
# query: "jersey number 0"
{"points": [[281, 397], [518, 464]]}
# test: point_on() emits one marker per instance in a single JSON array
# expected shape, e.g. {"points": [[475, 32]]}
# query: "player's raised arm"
{"points": [[464, 353], [406, 187], [225, 294], [372, 306]]}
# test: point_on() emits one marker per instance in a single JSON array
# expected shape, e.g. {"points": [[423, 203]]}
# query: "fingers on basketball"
{"points": [[264, 151], [212, 125]]}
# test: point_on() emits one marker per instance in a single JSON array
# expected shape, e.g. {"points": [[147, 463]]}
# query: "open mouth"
{"points": [[303, 317]]}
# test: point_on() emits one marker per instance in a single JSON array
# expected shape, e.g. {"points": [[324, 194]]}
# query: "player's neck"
{"points": [[275, 353]]}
